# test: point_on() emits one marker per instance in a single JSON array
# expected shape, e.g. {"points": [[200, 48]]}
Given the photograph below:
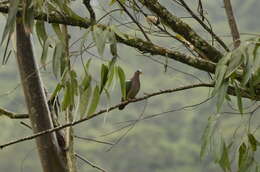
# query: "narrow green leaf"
{"points": [[113, 43], [221, 95], [224, 162], [111, 74], [246, 158], [235, 61], [56, 91], [47, 44], [100, 36], [74, 82], [207, 134], [57, 30], [94, 101], [248, 71], [28, 16], [104, 77], [253, 142], [242, 154], [84, 100], [67, 99], [84, 38], [56, 65], [9, 26], [41, 32], [121, 76], [239, 98], [117, 32], [86, 82], [86, 66]]}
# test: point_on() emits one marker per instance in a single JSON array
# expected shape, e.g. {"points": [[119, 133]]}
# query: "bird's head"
{"points": [[138, 72]]}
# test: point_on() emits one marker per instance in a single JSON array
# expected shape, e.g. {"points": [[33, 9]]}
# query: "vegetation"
{"points": [[197, 108]]}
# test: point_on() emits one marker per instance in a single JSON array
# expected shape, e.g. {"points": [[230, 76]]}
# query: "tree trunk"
{"points": [[51, 155]]}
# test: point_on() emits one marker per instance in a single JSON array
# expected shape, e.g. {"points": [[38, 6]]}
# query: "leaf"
{"points": [[9, 26], [207, 134], [246, 158], [85, 82], [224, 162], [86, 66], [56, 65], [104, 77], [249, 64], [113, 43], [84, 38], [111, 73], [41, 32], [67, 99], [121, 76], [47, 44], [221, 95], [28, 16], [84, 100], [117, 32], [253, 142], [235, 61], [239, 98], [74, 82], [100, 36], [57, 30], [94, 101], [221, 70]]}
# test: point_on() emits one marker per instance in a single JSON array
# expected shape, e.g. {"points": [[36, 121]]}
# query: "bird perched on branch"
{"points": [[132, 88]]}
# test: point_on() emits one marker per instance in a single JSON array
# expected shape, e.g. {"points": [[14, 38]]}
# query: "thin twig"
{"points": [[129, 129], [134, 20], [208, 29], [89, 163], [13, 115], [93, 140], [91, 11], [232, 23], [105, 111]]}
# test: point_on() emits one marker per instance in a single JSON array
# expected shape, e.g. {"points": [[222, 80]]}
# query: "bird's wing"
{"points": [[128, 84]]}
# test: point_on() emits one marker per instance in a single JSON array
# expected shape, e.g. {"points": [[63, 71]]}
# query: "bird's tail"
{"points": [[121, 107]]}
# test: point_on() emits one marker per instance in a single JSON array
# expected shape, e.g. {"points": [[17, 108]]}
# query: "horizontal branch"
{"points": [[12, 115], [182, 28], [144, 46], [104, 111], [148, 47]]}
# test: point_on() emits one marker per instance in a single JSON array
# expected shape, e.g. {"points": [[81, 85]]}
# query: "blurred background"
{"points": [[167, 142]]}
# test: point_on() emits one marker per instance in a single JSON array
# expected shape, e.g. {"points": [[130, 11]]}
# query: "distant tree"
{"points": [[153, 28]]}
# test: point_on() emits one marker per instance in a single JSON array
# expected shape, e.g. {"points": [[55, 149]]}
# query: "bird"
{"points": [[132, 88]]}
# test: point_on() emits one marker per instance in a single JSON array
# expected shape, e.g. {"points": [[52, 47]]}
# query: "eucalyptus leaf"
{"points": [[84, 100], [41, 32], [28, 16], [104, 77], [94, 101], [9, 26], [57, 55], [121, 76]]}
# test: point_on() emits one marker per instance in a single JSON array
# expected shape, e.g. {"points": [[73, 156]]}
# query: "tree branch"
{"points": [[91, 11], [144, 46], [232, 23], [209, 30], [182, 28], [13, 115], [105, 111], [134, 20]]}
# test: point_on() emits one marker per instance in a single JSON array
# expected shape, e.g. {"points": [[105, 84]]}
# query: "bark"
{"points": [[51, 155]]}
